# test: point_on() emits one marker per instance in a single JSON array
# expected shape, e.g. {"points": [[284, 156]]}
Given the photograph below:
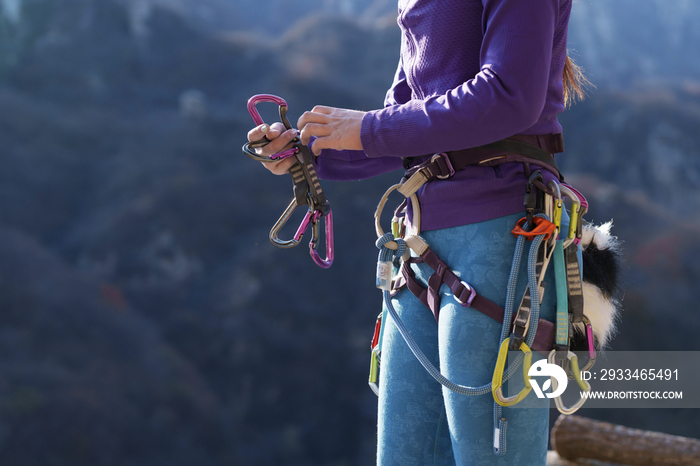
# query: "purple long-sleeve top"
{"points": [[471, 72]]}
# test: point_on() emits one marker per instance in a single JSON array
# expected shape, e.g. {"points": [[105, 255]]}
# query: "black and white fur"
{"points": [[602, 263]]}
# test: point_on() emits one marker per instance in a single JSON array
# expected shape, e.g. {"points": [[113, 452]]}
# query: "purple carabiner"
{"points": [[256, 99], [249, 148], [328, 261], [304, 224], [591, 345]]}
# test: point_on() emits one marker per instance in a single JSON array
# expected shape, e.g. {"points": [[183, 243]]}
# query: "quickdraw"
{"points": [[307, 187], [525, 331]]}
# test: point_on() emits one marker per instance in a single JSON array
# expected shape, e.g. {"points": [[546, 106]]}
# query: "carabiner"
{"points": [[576, 214], [558, 204], [249, 147], [328, 261], [582, 211], [284, 218], [591, 344], [585, 386], [532, 201], [581, 197], [497, 381]]}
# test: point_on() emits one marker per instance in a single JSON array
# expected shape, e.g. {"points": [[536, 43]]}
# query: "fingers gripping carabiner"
{"points": [[249, 147], [307, 187]]}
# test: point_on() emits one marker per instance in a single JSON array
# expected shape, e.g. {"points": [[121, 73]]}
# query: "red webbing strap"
{"points": [[544, 338]]}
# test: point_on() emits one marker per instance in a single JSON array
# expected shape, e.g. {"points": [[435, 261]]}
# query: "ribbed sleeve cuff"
{"points": [[369, 142]]}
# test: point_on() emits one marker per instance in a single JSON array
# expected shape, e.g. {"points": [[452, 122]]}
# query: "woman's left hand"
{"points": [[334, 128]]}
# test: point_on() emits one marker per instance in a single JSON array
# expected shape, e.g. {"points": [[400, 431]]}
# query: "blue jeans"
{"points": [[422, 423]]}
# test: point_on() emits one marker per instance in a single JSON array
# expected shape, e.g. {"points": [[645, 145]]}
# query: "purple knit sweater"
{"points": [[471, 72]]}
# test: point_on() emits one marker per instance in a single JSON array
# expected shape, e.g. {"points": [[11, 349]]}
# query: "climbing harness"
{"points": [[307, 187], [522, 328]]}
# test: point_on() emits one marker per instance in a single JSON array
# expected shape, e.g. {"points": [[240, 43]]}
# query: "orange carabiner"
{"points": [[542, 227]]}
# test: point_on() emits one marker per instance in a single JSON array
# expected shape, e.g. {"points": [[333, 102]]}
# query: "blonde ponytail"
{"points": [[575, 82]]}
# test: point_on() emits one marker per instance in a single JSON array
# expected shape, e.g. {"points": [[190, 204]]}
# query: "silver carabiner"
{"points": [[284, 218]]}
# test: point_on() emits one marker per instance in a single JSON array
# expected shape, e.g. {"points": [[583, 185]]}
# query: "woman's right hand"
{"points": [[280, 139]]}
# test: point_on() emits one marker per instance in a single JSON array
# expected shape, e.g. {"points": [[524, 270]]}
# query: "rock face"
{"points": [[145, 317]]}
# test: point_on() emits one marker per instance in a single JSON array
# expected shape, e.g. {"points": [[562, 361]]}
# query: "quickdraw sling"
{"points": [[307, 187]]}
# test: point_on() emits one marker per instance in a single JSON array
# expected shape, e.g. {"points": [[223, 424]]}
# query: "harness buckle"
{"points": [[472, 294], [443, 162]]}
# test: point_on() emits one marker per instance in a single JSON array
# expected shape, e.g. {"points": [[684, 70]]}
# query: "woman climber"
{"points": [[470, 73]]}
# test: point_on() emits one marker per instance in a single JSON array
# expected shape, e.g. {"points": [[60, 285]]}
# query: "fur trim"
{"points": [[602, 261], [602, 312]]}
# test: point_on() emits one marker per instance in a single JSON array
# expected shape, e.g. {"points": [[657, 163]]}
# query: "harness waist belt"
{"points": [[537, 149]]}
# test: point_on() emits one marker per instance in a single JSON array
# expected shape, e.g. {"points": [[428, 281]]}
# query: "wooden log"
{"points": [[578, 437]]}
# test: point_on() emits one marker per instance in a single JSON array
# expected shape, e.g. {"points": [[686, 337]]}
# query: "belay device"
{"points": [[307, 187]]}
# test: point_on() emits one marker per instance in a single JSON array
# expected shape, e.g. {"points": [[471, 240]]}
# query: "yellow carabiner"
{"points": [[576, 211], [558, 204], [574, 220], [558, 207], [497, 381], [374, 373]]}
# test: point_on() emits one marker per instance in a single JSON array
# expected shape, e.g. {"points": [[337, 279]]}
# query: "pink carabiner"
{"points": [[249, 148], [328, 261], [304, 224], [256, 99], [581, 198], [591, 345]]}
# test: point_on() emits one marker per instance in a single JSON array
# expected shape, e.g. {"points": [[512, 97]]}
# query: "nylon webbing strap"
{"points": [[522, 148], [573, 283], [300, 185], [505, 150], [562, 334], [544, 338], [311, 178], [522, 317]]}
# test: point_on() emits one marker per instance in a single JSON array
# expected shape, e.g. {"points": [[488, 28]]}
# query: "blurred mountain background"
{"points": [[144, 317]]}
